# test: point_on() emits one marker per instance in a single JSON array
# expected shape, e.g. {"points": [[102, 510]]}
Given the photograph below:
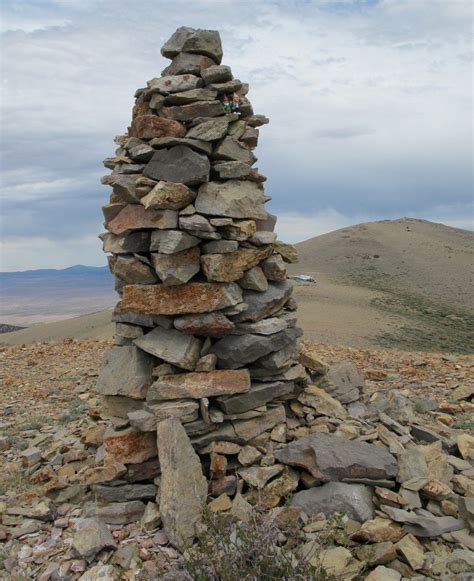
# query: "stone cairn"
{"points": [[205, 329]]}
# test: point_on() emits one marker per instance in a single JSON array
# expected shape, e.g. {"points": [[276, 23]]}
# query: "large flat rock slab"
{"points": [[355, 500], [180, 300], [199, 385], [232, 199], [178, 164], [331, 458]]}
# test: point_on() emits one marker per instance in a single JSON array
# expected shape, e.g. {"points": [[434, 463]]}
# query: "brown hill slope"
{"points": [[418, 257], [407, 282]]}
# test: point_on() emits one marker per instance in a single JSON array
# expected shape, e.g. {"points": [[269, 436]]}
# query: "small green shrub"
{"points": [[253, 551]]}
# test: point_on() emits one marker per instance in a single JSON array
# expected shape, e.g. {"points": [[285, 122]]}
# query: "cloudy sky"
{"points": [[369, 100]]}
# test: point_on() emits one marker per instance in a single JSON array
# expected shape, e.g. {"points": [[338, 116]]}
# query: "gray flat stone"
{"points": [[259, 394], [171, 241], [127, 372], [329, 457], [194, 41], [232, 199], [229, 149], [355, 500], [178, 164], [171, 346], [343, 382], [236, 351], [264, 304]]}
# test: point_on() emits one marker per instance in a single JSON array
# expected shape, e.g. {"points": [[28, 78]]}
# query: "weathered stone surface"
{"points": [[209, 325], [343, 382], [180, 300], [329, 457], [168, 196], [124, 493], [412, 467], [254, 279], [140, 152], [236, 351], [151, 517], [120, 316], [174, 84], [233, 199], [196, 223], [240, 230], [217, 74], [171, 346], [355, 500], [186, 97], [262, 237], [128, 446], [200, 384], [127, 371], [187, 63], [219, 247], [183, 487], [237, 170], [209, 130], [250, 136], [171, 241], [91, 537], [196, 145], [194, 41], [117, 406], [412, 550], [178, 164], [422, 525], [264, 304], [322, 403], [142, 420], [382, 573], [229, 149], [466, 446], [258, 395], [193, 110], [136, 217], [132, 270], [265, 327], [378, 530], [150, 126], [178, 268], [281, 359], [185, 410], [258, 476], [127, 243], [231, 266], [248, 429], [377, 554], [120, 513], [274, 268]]}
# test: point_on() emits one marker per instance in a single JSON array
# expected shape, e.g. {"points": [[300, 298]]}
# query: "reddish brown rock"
{"points": [[179, 300], [200, 384], [128, 446], [137, 217], [150, 126], [210, 325]]}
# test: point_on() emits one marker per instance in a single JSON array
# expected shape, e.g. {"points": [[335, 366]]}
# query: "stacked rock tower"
{"points": [[205, 329]]}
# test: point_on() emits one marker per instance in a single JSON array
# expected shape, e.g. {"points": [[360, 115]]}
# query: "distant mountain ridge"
{"points": [[33, 296]]}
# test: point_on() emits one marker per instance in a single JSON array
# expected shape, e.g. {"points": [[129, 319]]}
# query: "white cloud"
{"points": [[39, 252], [369, 107]]}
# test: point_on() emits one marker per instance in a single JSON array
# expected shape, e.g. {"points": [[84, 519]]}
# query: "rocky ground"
{"points": [[416, 525]]}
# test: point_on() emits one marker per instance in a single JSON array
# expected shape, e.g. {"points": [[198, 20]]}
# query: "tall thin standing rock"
{"points": [[205, 315]]}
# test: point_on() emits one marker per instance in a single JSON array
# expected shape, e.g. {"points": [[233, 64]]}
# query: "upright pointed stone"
{"points": [[183, 487]]}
